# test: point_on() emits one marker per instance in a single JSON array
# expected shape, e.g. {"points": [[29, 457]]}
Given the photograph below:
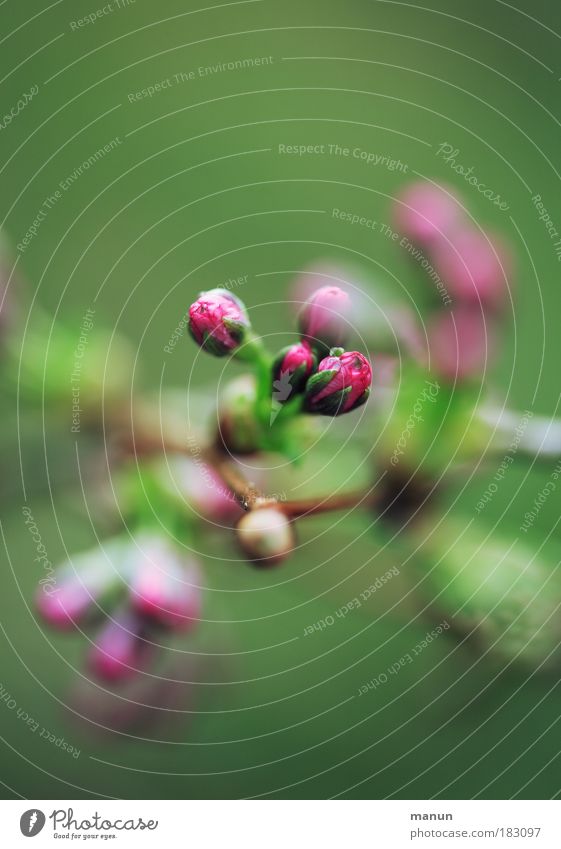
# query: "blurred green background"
{"points": [[193, 193]]}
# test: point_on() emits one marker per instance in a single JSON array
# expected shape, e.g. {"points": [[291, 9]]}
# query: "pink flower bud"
{"points": [[194, 484], [291, 369], [218, 322], [119, 649], [426, 213], [319, 275], [266, 536], [78, 587], [164, 587], [473, 268], [325, 318], [66, 605], [460, 343], [341, 384]]}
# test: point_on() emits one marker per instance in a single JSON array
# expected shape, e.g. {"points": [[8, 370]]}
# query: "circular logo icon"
{"points": [[31, 822]]}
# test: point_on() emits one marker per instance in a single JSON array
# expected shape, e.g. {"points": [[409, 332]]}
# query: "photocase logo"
{"points": [[32, 822], [282, 389]]}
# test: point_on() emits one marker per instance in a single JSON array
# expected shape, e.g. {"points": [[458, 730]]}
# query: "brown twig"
{"points": [[249, 497], [245, 493], [144, 443], [363, 498]]}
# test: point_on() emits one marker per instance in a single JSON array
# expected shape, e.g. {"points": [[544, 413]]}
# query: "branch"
{"points": [[249, 497], [144, 441]]}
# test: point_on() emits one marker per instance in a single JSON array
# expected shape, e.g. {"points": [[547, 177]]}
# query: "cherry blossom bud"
{"points": [[165, 587], [341, 384], [266, 536], [119, 649], [218, 322], [80, 586], [194, 484], [474, 268], [426, 213], [323, 274], [291, 369], [460, 343], [325, 318]]}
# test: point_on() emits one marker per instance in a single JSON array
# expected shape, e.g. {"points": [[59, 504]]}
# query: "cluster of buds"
{"points": [[474, 269], [314, 375], [331, 380], [145, 584]]}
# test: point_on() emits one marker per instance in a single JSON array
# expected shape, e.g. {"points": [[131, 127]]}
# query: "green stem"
{"points": [[253, 351], [290, 409]]}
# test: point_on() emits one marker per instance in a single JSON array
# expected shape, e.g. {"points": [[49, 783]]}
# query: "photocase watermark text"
{"points": [[102, 12], [426, 395], [450, 155], [505, 463], [368, 157], [24, 101], [76, 375], [549, 224], [406, 659], [354, 604], [34, 726], [64, 185], [48, 582], [198, 73], [543, 495]]}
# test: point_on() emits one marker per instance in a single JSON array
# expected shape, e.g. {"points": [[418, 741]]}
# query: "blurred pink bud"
{"points": [[426, 213], [408, 330], [79, 586], [473, 267], [379, 315], [387, 373], [64, 606], [218, 322], [460, 343], [341, 384], [266, 536], [197, 485], [119, 650], [164, 587], [317, 276], [294, 365], [325, 318]]}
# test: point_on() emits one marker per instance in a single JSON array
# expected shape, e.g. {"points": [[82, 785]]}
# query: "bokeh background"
{"points": [[194, 192]]}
